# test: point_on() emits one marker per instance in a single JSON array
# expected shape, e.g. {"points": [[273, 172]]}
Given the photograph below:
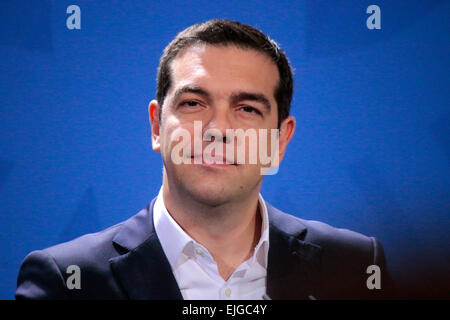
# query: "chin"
{"points": [[213, 187], [210, 194]]}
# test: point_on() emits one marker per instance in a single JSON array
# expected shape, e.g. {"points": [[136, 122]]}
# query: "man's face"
{"points": [[224, 87]]}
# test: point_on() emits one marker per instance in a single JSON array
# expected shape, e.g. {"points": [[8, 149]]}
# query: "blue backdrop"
{"points": [[371, 150]]}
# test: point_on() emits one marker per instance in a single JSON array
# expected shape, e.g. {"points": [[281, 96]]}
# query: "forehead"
{"points": [[224, 69]]}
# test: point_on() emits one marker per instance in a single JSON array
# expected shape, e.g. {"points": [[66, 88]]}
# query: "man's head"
{"points": [[228, 76]]}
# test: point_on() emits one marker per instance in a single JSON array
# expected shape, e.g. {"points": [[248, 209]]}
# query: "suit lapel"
{"points": [[144, 273], [143, 270], [293, 264]]}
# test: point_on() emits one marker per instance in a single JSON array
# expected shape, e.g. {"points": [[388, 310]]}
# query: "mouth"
{"points": [[213, 162]]}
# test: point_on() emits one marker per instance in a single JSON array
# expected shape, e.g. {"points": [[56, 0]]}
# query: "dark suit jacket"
{"points": [[307, 260]]}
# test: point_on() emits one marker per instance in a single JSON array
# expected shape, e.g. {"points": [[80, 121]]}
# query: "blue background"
{"points": [[371, 150]]}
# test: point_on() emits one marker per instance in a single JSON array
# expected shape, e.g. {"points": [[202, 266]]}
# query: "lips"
{"points": [[213, 161]]}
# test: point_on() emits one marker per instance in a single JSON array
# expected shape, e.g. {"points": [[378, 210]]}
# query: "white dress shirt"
{"points": [[196, 271]]}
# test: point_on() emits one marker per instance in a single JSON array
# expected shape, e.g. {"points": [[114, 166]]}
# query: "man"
{"points": [[209, 234]]}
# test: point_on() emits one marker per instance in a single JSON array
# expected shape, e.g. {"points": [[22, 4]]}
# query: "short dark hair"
{"points": [[226, 32]]}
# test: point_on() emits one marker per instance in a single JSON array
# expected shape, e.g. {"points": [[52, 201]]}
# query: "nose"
{"points": [[219, 122]]}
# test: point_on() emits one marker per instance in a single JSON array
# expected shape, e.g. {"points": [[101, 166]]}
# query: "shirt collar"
{"points": [[172, 237], [174, 240]]}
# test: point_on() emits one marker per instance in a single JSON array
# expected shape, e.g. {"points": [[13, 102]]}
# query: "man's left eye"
{"points": [[249, 109]]}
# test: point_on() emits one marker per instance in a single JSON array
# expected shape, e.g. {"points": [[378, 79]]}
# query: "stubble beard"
{"points": [[208, 192]]}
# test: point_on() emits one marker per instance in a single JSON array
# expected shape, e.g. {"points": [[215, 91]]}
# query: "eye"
{"points": [[189, 103], [249, 109]]}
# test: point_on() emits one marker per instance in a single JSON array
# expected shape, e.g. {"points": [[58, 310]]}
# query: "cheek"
{"points": [[176, 139], [257, 148], [269, 147]]}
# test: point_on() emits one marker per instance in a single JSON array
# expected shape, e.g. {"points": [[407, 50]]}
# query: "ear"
{"points": [[287, 129], [153, 113]]}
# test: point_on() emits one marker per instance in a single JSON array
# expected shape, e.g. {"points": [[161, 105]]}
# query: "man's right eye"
{"points": [[189, 103]]}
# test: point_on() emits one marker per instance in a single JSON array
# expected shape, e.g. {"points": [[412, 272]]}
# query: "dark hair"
{"points": [[226, 32]]}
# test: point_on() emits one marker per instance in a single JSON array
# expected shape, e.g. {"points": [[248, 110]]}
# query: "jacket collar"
{"points": [[294, 264], [144, 272]]}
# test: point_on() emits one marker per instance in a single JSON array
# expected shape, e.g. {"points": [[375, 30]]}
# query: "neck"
{"points": [[229, 231]]}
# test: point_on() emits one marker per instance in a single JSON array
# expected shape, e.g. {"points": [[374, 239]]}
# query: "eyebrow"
{"points": [[189, 89], [257, 97]]}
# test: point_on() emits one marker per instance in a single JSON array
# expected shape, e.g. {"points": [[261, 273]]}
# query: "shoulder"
{"points": [[334, 242], [43, 273], [87, 249], [96, 249], [345, 257], [338, 239]]}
